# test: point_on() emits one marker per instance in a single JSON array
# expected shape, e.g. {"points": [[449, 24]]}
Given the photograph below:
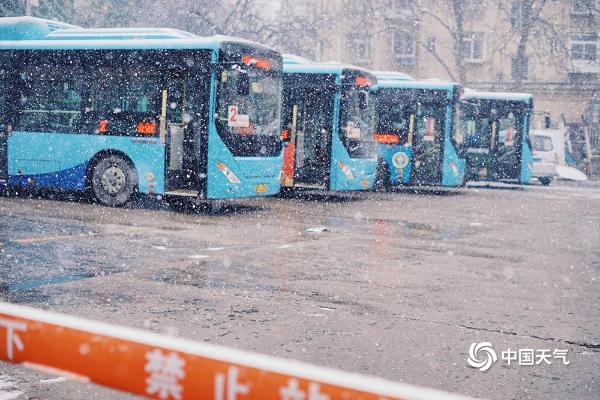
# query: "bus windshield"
{"points": [[429, 122], [475, 128], [357, 123], [249, 101], [393, 124], [487, 125]]}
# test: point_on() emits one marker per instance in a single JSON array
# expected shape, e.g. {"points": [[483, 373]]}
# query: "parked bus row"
{"points": [[168, 113]]}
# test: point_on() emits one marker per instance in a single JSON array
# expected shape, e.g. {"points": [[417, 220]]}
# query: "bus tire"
{"points": [[382, 177], [113, 181], [545, 180], [286, 192]]}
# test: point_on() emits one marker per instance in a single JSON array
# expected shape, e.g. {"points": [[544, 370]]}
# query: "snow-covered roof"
{"points": [[29, 28], [295, 66], [42, 34], [502, 96], [386, 75], [294, 59], [450, 87], [119, 33]]}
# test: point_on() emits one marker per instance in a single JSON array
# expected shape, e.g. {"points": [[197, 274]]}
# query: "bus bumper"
{"points": [[244, 177]]}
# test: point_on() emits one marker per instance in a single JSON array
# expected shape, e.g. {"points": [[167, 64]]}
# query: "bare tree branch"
{"points": [[441, 61]]}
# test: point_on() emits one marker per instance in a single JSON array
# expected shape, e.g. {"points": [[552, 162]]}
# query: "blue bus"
{"points": [[417, 131], [495, 126], [156, 111], [328, 124]]}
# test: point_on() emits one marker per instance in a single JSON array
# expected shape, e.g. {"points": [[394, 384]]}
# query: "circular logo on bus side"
{"points": [[400, 160]]}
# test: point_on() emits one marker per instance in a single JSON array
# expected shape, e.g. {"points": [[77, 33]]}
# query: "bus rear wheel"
{"points": [[113, 181]]}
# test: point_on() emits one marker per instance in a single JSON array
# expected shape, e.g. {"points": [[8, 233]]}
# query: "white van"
{"points": [[548, 147]]}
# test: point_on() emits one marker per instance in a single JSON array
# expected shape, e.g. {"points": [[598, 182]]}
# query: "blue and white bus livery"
{"points": [[156, 111]]}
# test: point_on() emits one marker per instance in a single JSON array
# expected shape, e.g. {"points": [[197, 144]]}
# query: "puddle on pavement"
{"points": [[393, 226], [207, 274], [349, 222], [53, 280], [18, 227]]}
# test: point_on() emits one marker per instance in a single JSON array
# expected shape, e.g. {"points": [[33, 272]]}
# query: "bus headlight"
{"points": [[454, 168], [231, 177], [347, 171]]}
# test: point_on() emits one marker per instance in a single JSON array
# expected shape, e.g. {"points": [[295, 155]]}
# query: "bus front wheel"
{"points": [[113, 181], [382, 177]]}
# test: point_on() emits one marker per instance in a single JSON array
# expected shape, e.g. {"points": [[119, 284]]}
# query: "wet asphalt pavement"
{"points": [[396, 285]]}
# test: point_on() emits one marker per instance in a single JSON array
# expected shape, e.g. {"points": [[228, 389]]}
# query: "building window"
{"points": [[584, 47], [595, 111], [520, 69], [516, 14], [583, 7], [358, 47], [473, 46], [584, 54], [404, 47]]}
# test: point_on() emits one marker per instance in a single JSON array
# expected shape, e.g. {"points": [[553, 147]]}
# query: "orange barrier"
{"points": [[163, 367]]}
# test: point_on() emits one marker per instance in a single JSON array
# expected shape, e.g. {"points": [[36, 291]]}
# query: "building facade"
{"points": [[548, 48]]}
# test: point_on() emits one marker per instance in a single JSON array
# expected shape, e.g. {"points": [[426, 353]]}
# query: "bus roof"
{"points": [[294, 59], [30, 33], [499, 96], [416, 85], [118, 33], [387, 75], [29, 28], [331, 68]]}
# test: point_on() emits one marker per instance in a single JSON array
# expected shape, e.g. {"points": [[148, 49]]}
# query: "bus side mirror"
{"points": [[243, 85], [362, 100]]}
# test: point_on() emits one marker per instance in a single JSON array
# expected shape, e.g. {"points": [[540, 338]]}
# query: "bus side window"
{"points": [[51, 91], [4, 95], [125, 95]]}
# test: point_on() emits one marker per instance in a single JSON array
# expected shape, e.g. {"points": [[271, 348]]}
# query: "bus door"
{"points": [[313, 130], [186, 130], [3, 152], [505, 147], [4, 123], [479, 139], [427, 141]]}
